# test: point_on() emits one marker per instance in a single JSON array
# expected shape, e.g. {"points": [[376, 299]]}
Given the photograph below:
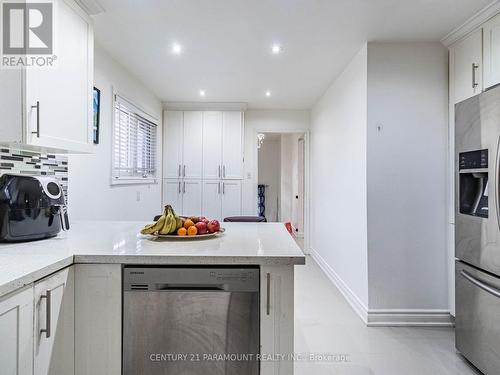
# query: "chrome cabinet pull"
{"points": [[218, 171], [224, 171], [37, 106], [179, 171], [474, 67], [184, 187], [179, 187], [184, 172], [223, 188], [268, 292], [47, 297], [218, 188], [480, 284]]}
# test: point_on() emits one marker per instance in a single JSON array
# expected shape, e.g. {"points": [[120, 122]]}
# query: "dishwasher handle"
{"points": [[191, 287]]}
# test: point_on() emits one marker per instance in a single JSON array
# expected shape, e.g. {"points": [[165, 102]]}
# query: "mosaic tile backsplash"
{"points": [[33, 163]]}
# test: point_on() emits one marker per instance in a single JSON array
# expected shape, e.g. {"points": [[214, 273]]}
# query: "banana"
{"points": [[155, 227], [170, 222]]}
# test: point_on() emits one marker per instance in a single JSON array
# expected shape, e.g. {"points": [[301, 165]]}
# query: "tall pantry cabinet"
{"points": [[203, 162]]}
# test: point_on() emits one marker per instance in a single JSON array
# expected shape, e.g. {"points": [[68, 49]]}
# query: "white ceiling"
{"points": [[226, 43]]}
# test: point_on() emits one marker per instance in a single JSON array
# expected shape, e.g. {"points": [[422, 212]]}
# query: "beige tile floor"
{"points": [[325, 323]]}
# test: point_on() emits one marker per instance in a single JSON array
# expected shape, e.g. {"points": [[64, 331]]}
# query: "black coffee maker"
{"points": [[31, 208]]}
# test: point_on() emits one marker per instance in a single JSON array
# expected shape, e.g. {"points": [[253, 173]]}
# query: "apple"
{"points": [[202, 227], [206, 221], [213, 226]]}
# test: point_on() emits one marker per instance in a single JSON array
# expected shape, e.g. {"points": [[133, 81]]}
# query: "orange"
{"points": [[192, 231], [182, 231], [188, 223]]}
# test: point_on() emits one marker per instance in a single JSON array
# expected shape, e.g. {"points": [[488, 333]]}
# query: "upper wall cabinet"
{"points": [[232, 145], [50, 108], [491, 52], [466, 67]]}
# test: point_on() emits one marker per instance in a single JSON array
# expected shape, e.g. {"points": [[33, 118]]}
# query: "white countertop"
{"points": [[120, 242]]}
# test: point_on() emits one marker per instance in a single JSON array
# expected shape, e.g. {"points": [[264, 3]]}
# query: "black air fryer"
{"points": [[31, 208]]}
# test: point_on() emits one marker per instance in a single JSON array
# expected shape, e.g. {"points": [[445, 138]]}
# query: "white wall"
{"points": [[338, 181], [407, 96], [270, 174], [274, 121], [91, 196], [289, 177]]}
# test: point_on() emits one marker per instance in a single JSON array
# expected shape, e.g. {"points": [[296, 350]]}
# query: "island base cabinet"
{"points": [[276, 329], [98, 326], [54, 326], [16, 333]]}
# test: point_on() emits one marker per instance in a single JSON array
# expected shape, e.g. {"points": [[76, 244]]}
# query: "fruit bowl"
{"points": [[187, 238]]}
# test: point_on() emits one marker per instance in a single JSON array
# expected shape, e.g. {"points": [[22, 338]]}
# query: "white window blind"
{"points": [[134, 144]]}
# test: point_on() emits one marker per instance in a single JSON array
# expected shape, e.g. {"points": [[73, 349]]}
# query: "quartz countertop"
{"points": [[120, 242]]}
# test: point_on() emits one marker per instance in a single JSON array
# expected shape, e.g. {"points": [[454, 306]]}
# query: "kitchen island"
{"points": [[82, 271]]}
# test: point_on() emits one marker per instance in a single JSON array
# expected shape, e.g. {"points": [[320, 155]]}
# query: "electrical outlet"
{"points": [[138, 196]]}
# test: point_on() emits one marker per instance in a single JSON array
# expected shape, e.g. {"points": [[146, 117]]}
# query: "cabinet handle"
{"points": [[268, 293], [179, 187], [223, 188], [47, 297], [184, 187], [179, 171], [218, 171], [474, 67], [218, 188], [224, 171], [184, 172], [37, 106]]}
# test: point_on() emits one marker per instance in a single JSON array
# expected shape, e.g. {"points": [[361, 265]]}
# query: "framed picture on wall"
{"points": [[96, 104]]}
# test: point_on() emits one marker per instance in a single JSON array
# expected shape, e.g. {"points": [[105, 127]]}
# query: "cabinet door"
{"points": [[212, 145], [231, 198], [172, 144], [11, 106], [64, 92], [491, 52], [172, 194], [467, 65], [16, 333], [98, 319], [211, 203], [276, 318], [232, 148], [54, 324], [192, 144], [191, 198]]}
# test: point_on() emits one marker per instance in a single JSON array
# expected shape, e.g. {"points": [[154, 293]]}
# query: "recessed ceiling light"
{"points": [[276, 48], [176, 48], [202, 92], [268, 93]]}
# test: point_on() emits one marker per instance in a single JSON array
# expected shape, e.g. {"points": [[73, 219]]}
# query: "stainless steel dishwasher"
{"points": [[196, 320]]}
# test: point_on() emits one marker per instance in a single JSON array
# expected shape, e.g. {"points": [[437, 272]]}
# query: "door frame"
{"points": [[307, 174]]}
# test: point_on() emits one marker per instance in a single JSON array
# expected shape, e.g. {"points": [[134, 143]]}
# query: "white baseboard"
{"points": [[384, 317], [357, 305]]}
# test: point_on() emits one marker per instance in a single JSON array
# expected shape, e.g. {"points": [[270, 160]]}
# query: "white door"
{"points": [[63, 117], [172, 144], [191, 198], [212, 145], [299, 224], [491, 52], [466, 66], [172, 194], [54, 324], [232, 145], [211, 203], [231, 198], [16, 333], [192, 144]]}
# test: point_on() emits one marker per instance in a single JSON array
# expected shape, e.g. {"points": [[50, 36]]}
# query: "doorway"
{"points": [[281, 179]]}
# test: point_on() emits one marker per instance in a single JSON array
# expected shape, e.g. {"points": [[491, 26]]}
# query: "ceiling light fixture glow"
{"points": [[268, 93], [202, 92], [276, 48], [176, 48]]}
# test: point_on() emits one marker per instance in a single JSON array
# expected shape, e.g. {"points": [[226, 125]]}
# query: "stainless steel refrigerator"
{"points": [[477, 230]]}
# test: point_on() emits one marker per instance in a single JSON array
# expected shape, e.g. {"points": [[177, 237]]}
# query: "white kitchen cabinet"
{"points": [[212, 199], [172, 144], [56, 103], [191, 197], [466, 66], [16, 333], [491, 52], [212, 145], [54, 324], [172, 194], [232, 145], [276, 322], [98, 323], [231, 198], [192, 145]]}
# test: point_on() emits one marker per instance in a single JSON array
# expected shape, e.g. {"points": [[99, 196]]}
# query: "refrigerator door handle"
{"points": [[480, 284]]}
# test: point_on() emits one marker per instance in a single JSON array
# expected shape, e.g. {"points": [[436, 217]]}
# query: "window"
{"points": [[134, 144]]}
